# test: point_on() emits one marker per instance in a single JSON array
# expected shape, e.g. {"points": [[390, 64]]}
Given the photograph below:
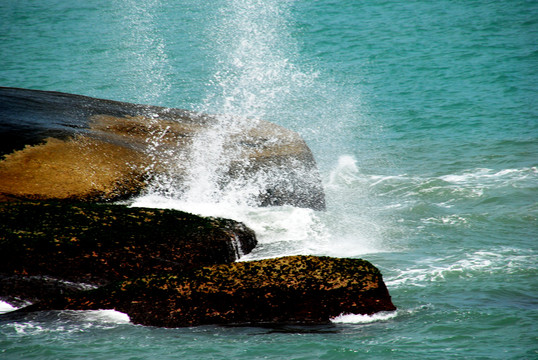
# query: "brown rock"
{"points": [[64, 146], [79, 168]]}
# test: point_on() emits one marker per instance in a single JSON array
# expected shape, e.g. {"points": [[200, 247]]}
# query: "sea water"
{"points": [[422, 117]]}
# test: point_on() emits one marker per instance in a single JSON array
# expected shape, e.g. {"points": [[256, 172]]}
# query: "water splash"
{"points": [[142, 51], [253, 53], [253, 76], [258, 74]]}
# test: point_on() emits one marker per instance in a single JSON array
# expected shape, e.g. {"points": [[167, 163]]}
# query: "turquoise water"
{"points": [[422, 116]]}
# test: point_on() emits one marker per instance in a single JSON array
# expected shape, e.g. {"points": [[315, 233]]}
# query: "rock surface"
{"points": [[62, 154], [65, 146], [296, 289], [49, 247]]}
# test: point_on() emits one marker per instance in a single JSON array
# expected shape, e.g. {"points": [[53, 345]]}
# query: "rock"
{"points": [[47, 246], [65, 146], [292, 290], [22, 290]]}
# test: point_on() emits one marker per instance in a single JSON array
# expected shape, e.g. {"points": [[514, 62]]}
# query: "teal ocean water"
{"points": [[422, 115]]}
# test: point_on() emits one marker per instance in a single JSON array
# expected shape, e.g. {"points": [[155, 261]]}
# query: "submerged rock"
{"points": [[50, 247], [296, 289], [65, 146]]}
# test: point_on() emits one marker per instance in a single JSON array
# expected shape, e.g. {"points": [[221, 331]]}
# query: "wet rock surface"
{"points": [[64, 146], [62, 155], [46, 246], [288, 290]]}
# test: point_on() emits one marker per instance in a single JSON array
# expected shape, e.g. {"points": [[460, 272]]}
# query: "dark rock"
{"points": [[65, 146], [22, 290], [292, 290], [55, 243]]}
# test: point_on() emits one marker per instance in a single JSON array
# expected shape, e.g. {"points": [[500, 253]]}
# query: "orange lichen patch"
{"points": [[77, 168]]}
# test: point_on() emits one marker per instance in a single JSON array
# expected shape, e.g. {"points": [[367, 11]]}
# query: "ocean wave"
{"points": [[347, 173], [470, 184], [497, 260], [66, 321], [491, 177], [455, 199]]}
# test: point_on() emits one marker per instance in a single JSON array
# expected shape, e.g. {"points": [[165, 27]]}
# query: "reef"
{"points": [[66, 242], [288, 290], [56, 246]]}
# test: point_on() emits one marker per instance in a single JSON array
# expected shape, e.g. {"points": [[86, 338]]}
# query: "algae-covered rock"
{"points": [[296, 289], [64, 146], [47, 242]]}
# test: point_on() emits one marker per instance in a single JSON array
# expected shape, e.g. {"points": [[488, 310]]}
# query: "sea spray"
{"points": [[253, 55], [142, 51], [252, 71], [258, 74]]}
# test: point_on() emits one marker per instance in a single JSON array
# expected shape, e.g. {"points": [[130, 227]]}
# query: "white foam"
{"points": [[70, 321], [364, 319], [278, 224], [489, 176], [287, 230], [446, 220], [106, 316], [345, 172], [30, 328], [5, 307]]}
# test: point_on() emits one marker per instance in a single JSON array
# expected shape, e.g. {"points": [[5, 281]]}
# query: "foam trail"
{"points": [[493, 261], [364, 319]]}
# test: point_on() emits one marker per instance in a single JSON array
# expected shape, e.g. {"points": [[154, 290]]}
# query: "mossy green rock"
{"points": [[296, 289], [98, 243]]}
